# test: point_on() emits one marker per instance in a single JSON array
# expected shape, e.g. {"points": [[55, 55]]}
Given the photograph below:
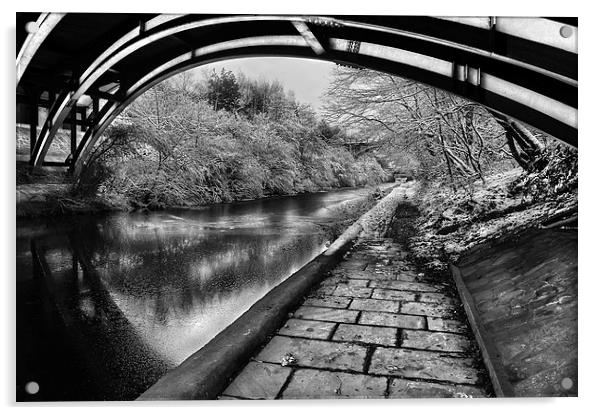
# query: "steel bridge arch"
{"points": [[526, 70]]}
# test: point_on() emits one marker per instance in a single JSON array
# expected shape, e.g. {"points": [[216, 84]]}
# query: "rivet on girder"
{"points": [[353, 46], [324, 21]]}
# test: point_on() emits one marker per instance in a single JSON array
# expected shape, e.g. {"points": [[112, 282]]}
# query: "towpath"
{"points": [[374, 328]]}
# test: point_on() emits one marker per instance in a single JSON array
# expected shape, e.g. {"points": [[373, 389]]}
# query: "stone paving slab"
{"points": [[315, 353], [383, 294], [407, 277], [428, 340], [369, 304], [392, 320], [319, 384], [398, 266], [385, 336], [441, 324], [406, 286], [307, 328], [423, 365], [323, 290], [259, 381], [402, 388], [390, 273], [326, 314], [360, 275], [384, 276], [334, 280], [352, 264], [428, 309], [375, 327], [439, 299], [354, 283], [328, 301], [353, 291]]}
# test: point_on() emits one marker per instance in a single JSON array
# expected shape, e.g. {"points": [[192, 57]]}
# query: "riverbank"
{"points": [[55, 200], [59, 199], [512, 243], [215, 263], [448, 224], [204, 374]]}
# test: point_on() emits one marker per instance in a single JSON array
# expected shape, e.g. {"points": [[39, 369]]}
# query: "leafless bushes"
{"points": [[434, 133], [172, 148]]}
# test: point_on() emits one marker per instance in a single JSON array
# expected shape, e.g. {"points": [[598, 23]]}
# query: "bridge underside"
{"points": [[84, 69]]}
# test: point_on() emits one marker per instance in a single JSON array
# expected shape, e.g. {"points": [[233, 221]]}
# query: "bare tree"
{"points": [[526, 149], [448, 134]]}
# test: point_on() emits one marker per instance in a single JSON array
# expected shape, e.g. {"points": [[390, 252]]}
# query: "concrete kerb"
{"points": [[207, 372]]}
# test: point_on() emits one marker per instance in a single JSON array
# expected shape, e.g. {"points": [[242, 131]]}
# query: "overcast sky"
{"points": [[306, 77]]}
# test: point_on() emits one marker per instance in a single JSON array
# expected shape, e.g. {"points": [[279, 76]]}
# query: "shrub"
{"points": [[171, 148]]}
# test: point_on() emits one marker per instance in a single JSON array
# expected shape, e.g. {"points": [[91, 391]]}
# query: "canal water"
{"points": [[106, 304]]}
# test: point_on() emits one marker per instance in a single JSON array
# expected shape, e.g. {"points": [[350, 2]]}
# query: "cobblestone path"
{"points": [[374, 328]]}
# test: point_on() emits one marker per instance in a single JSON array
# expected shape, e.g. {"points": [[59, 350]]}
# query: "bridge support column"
{"points": [[33, 120], [82, 114], [95, 114], [73, 135], [51, 100]]}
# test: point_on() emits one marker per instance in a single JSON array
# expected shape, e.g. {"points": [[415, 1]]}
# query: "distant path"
{"points": [[375, 328]]}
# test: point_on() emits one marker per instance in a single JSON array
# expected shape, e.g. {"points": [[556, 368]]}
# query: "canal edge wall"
{"points": [[207, 372]]}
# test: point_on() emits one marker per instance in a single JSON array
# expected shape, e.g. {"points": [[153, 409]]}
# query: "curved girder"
{"points": [[525, 74], [45, 23], [295, 48], [103, 63]]}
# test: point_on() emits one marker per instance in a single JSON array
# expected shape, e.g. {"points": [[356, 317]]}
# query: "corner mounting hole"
{"points": [[566, 31], [32, 388], [31, 27], [566, 383]]}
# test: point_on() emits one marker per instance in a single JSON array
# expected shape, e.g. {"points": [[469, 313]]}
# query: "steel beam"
{"points": [[82, 111], [51, 124], [116, 97], [73, 131], [309, 37], [539, 76], [101, 66], [45, 24], [421, 71], [93, 131], [33, 123], [59, 114]]}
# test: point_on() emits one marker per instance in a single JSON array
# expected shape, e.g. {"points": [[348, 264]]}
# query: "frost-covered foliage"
{"points": [[172, 148], [425, 132], [560, 175], [450, 222]]}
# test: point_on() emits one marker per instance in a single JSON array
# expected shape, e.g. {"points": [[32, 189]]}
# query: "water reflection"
{"points": [[107, 304]]}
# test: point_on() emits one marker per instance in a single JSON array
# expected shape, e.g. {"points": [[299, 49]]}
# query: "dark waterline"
{"points": [[120, 299]]}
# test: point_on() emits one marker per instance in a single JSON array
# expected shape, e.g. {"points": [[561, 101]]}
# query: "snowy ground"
{"points": [[451, 223]]}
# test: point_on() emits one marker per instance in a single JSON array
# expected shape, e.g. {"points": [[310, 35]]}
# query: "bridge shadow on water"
{"points": [[108, 304], [91, 331]]}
